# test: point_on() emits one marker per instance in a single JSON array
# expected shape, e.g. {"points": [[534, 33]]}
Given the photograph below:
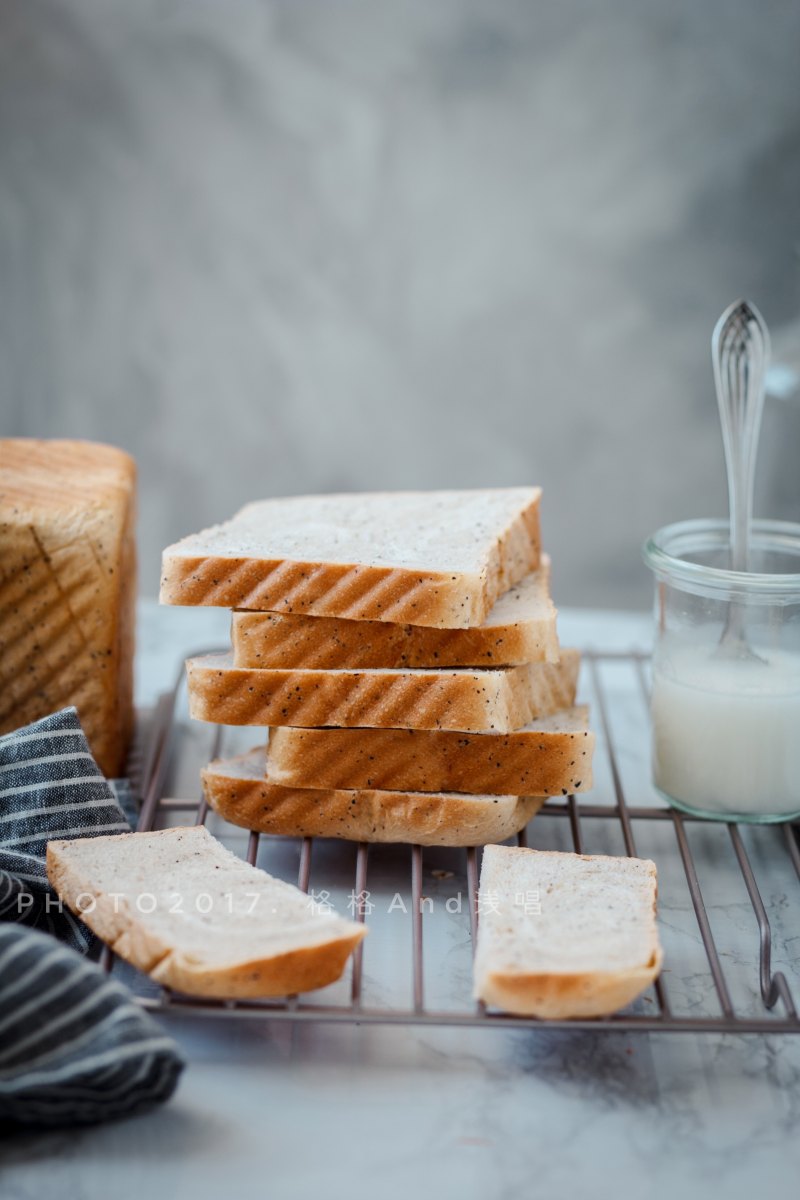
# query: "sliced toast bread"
{"points": [[431, 558], [239, 791], [564, 935], [551, 756], [501, 700], [179, 906], [521, 628]]}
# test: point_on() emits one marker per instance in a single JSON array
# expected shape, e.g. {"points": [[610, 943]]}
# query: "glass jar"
{"points": [[726, 714]]}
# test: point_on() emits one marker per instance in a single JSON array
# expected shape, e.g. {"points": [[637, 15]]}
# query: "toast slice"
{"points": [[551, 756], [564, 935], [501, 700], [67, 588], [239, 791], [431, 558], [179, 906], [521, 628]]}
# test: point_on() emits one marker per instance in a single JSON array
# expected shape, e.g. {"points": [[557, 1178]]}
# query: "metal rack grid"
{"points": [[778, 1010]]}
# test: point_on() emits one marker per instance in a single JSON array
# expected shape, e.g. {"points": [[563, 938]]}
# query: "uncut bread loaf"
{"points": [[218, 927], [429, 558], [521, 628], [501, 700], [564, 935], [550, 756], [67, 588], [239, 791]]}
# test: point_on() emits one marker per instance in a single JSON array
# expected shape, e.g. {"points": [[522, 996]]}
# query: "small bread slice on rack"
{"points": [[521, 628], [431, 558], [238, 790], [564, 935], [193, 916], [500, 700], [550, 756]]}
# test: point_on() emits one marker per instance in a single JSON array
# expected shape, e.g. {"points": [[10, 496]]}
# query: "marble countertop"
{"points": [[296, 1111]]}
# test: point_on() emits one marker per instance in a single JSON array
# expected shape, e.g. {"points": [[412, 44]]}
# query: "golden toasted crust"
{"points": [[554, 997], [67, 588], [238, 790], [521, 628], [354, 590], [499, 700], [529, 762], [300, 970]]}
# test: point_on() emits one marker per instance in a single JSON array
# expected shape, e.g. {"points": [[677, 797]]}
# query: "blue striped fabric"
{"points": [[50, 787], [74, 1047]]}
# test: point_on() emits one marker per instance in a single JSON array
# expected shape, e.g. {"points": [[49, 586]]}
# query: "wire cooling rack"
{"points": [[723, 931]]}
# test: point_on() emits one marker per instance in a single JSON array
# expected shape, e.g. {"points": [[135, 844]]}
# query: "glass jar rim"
{"points": [[662, 553]]}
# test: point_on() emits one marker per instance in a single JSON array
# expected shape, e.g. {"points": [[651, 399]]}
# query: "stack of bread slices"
{"points": [[401, 649]]}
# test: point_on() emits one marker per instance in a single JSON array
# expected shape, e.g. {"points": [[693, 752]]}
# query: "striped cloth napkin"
{"points": [[74, 1046]]}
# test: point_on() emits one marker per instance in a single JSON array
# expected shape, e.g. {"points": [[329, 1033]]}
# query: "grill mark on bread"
{"points": [[321, 700], [28, 651], [44, 606], [305, 582], [66, 572], [238, 791], [308, 648], [286, 586], [538, 762], [471, 700], [503, 527], [520, 628], [17, 587], [64, 598], [76, 581], [399, 704], [18, 692], [387, 598]]}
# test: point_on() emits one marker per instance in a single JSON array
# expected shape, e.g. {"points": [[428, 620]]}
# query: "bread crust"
{"points": [[296, 971], [521, 628], [501, 700], [601, 908], [68, 588], [238, 790], [127, 932], [357, 590], [539, 762], [558, 997]]}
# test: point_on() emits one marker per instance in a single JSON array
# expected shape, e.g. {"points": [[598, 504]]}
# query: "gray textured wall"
{"points": [[277, 247]]}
